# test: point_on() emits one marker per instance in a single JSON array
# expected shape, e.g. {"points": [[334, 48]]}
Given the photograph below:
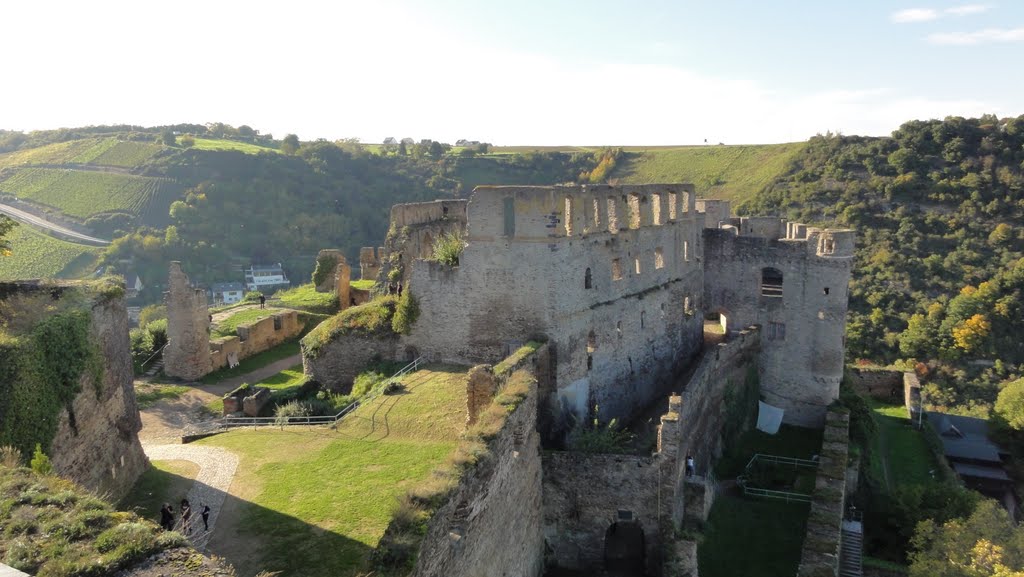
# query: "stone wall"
{"points": [[803, 321], [329, 281], [491, 524], [339, 361], [820, 555], [187, 355], [255, 337], [413, 230], [881, 384]]}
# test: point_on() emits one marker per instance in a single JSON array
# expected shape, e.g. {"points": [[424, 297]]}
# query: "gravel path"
{"points": [[216, 469]]}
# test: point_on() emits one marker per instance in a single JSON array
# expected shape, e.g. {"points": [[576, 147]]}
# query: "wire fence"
{"points": [[787, 496]]}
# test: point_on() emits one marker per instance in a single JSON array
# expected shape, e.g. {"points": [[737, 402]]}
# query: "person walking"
{"points": [[206, 517], [263, 300], [690, 467], [167, 517]]}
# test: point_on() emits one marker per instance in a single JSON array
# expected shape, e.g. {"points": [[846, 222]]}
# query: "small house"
{"points": [[266, 278], [227, 292], [973, 456], [132, 284]]}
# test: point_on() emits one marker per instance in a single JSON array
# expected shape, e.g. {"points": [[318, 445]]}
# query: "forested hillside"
{"points": [[938, 277]]}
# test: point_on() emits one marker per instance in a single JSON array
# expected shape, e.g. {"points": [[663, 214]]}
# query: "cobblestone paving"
{"points": [[216, 470]]}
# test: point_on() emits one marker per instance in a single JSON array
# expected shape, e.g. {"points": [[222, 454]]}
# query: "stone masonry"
{"points": [[187, 355], [328, 284]]}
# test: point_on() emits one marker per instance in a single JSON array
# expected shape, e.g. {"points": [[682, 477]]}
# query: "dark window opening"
{"points": [[590, 362], [826, 290], [588, 281], [771, 282], [510, 217], [776, 331], [643, 316]]}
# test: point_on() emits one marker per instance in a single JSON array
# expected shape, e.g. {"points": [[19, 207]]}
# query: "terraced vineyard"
{"points": [[218, 144], [36, 255], [99, 151], [82, 193]]}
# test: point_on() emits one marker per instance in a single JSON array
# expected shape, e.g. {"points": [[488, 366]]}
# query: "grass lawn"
{"points": [[37, 255], [226, 327], [164, 482], [149, 394], [905, 456], [769, 533], [315, 502], [250, 364], [790, 441], [306, 298], [363, 284]]}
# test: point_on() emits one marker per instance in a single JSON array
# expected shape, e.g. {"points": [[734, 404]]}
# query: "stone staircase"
{"points": [[850, 554], [155, 368]]}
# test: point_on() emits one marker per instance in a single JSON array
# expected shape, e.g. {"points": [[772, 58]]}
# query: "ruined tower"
{"points": [[369, 262], [187, 355]]}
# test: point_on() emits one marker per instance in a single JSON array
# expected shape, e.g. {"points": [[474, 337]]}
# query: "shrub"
{"points": [[368, 319], [40, 462], [10, 457], [252, 297], [152, 313], [406, 313], [325, 267], [595, 438], [447, 249]]}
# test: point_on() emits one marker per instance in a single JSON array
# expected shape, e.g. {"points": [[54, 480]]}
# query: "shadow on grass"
{"points": [[770, 535], [790, 441], [250, 537]]}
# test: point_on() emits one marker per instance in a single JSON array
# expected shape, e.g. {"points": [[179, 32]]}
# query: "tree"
{"points": [[436, 149], [6, 225], [402, 150], [188, 141], [167, 137], [1010, 405], [972, 333], [985, 544], [290, 144]]}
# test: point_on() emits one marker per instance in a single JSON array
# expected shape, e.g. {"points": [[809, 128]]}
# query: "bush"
{"points": [[326, 265], [10, 457], [595, 438], [448, 248], [152, 313], [252, 297], [40, 462], [406, 313]]}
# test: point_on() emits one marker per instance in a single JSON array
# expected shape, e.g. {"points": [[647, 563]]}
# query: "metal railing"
{"points": [[229, 422], [788, 496], [784, 495], [807, 463], [142, 367]]}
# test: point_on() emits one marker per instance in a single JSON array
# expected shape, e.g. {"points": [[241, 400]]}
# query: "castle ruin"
{"points": [[187, 355]]}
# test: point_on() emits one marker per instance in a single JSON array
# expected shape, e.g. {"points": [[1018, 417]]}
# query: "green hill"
{"points": [[735, 173]]}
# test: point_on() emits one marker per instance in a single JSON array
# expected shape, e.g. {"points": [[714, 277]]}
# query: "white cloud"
{"points": [[929, 14], [967, 9], [914, 15], [986, 36]]}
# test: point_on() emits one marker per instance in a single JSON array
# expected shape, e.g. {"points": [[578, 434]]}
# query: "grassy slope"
{"points": [[318, 501], [905, 450], [36, 255], [98, 151], [217, 144], [228, 326], [729, 172]]}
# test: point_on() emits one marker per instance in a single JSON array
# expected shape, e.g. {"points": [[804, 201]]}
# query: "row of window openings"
{"points": [[771, 283], [659, 263], [633, 203]]}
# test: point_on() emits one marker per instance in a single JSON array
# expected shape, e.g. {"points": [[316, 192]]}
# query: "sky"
{"points": [[530, 72]]}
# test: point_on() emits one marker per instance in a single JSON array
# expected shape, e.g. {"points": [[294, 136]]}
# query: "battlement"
{"points": [[553, 212], [414, 213], [752, 235]]}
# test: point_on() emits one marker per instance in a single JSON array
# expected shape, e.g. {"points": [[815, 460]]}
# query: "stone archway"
{"points": [[625, 549]]}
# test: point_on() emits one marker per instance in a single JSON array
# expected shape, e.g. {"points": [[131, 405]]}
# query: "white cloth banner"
{"points": [[768, 418]]}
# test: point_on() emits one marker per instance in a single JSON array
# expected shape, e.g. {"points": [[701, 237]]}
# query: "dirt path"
{"points": [[165, 420], [216, 471]]}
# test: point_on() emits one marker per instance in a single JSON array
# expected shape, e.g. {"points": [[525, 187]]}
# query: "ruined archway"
{"points": [[624, 548]]}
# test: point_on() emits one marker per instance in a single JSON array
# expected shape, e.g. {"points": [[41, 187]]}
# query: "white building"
{"points": [[228, 292], [265, 278]]}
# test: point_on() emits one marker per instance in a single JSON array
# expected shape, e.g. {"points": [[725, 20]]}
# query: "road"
{"points": [[28, 218]]}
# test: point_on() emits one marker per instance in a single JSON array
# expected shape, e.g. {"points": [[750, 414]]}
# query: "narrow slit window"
{"points": [[686, 251], [613, 217], [643, 318], [826, 291], [510, 217], [636, 265], [673, 206], [597, 214], [588, 281], [634, 210], [656, 209], [659, 258], [568, 216], [616, 269]]}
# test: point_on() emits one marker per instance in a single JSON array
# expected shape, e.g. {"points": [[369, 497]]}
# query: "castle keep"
{"points": [[618, 280]]}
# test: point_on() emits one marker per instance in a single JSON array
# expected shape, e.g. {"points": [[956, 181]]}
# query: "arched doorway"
{"points": [[624, 549]]}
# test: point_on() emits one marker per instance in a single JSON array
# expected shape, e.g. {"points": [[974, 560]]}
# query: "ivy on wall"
{"points": [[41, 374], [325, 266]]}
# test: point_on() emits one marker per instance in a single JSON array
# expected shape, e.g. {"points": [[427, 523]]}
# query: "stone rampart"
{"points": [[490, 525], [883, 384], [255, 337], [328, 278], [820, 555], [339, 361], [414, 229]]}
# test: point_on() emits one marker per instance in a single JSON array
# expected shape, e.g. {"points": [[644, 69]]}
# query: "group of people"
{"points": [[167, 516], [395, 288]]}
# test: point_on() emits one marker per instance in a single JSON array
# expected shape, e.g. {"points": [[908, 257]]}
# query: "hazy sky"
{"points": [[524, 72]]}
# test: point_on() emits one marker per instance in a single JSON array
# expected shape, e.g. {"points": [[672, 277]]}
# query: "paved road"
{"points": [[34, 220], [216, 470]]}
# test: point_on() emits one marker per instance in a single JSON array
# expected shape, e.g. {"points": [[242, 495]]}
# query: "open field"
{"points": [[728, 172], [306, 298], [316, 502], [900, 452], [226, 327], [83, 193], [218, 144], [36, 255]]}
